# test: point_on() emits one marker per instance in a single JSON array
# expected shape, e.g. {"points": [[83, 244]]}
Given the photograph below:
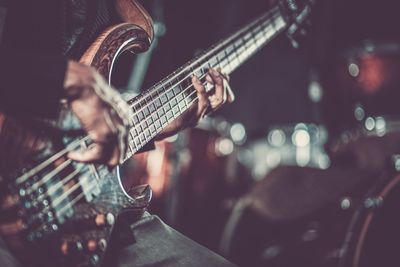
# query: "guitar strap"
{"points": [[3, 14]]}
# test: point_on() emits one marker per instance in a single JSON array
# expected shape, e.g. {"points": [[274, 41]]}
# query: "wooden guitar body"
{"points": [[63, 213]]}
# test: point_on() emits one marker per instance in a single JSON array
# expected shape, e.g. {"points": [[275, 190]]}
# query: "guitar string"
{"points": [[204, 57], [72, 146], [59, 200], [201, 67], [149, 117], [76, 199], [47, 177], [81, 195], [58, 185], [63, 196], [63, 209], [53, 158], [220, 46]]}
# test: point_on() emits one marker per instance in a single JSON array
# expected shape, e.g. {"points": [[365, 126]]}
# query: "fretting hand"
{"points": [[207, 102]]}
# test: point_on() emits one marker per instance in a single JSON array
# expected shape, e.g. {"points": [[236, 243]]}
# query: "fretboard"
{"points": [[158, 106]]}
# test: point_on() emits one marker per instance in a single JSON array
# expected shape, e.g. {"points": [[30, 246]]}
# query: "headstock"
{"points": [[297, 14]]}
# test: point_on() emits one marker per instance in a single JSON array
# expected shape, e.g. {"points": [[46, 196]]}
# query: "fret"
{"points": [[169, 115], [154, 117], [136, 106], [180, 76], [253, 42], [157, 103], [260, 36], [163, 119], [236, 62], [169, 98], [129, 151], [170, 93], [146, 134], [140, 115], [152, 128], [182, 104], [240, 50], [188, 85], [157, 123], [213, 62], [176, 109], [222, 61], [185, 84], [160, 113], [135, 119], [145, 111], [137, 142], [247, 37], [139, 128], [229, 66], [229, 50], [177, 89], [149, 97], [198, 72], [144, 123], [165, 110], [142, 137], [180, 97], [152, 107], [164, 99], [271, 26], [174, 102], [132, 143]]}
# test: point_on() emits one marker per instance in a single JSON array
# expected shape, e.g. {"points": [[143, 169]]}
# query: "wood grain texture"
{"points": [[132, 12], [114, 41]]}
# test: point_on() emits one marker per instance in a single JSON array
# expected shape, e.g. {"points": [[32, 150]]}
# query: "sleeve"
{"points": [[31, 85]]}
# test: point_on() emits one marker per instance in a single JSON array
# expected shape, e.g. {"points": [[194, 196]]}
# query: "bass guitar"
{"points": [[56, 212]]}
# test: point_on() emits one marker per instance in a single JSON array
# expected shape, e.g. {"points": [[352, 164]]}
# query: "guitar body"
{"points": [[63, 213]]}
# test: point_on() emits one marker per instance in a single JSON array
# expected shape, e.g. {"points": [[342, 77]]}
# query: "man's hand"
{"points": [[206, 103], [102, 112]]}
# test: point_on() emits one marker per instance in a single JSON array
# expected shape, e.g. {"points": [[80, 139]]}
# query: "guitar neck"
{"points": [[158, 106]]}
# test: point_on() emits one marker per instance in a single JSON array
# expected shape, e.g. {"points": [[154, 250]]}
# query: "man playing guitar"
{"points": [[41, 43]]}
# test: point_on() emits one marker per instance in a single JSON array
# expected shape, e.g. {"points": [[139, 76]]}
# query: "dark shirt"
{"points": [[39, 37]]}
